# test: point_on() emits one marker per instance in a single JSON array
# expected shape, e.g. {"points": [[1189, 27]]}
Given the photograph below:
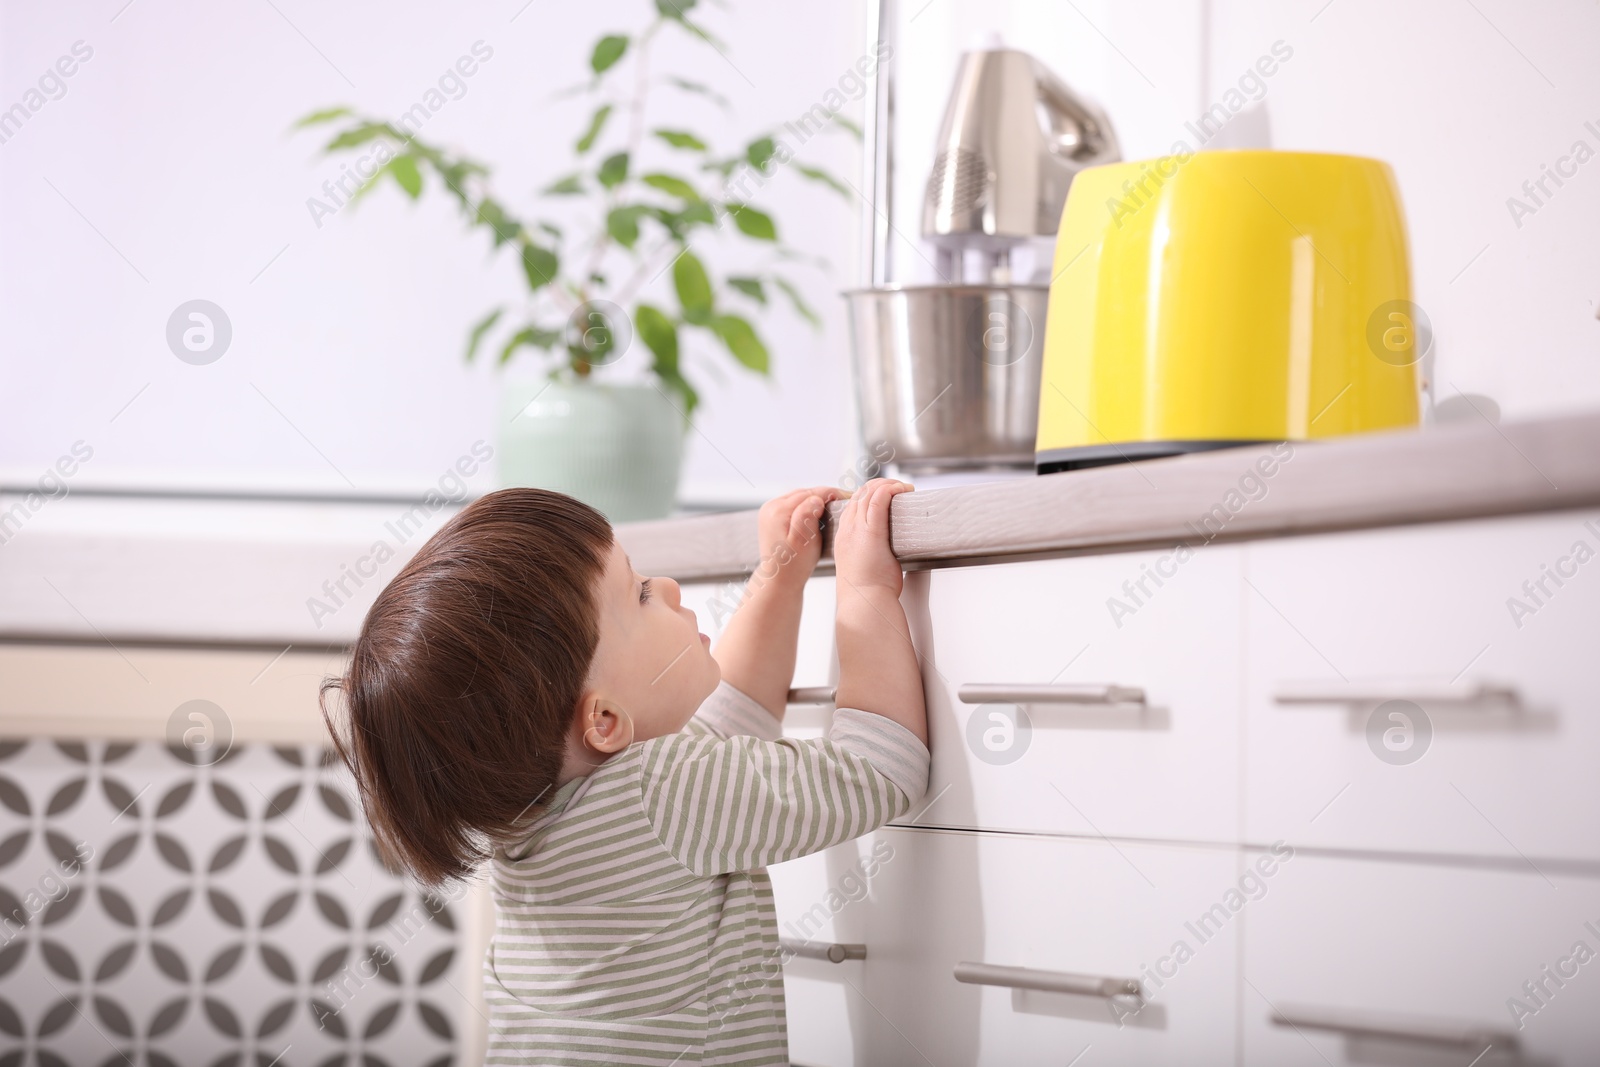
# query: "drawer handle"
{"points": [[1089, 985], [833, 952], [1337, 693], [1050, 694], [1460, 1035], [812, 694]]}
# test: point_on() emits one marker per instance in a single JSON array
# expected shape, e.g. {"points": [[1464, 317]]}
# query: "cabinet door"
{"points": [[1416, 963], [821, 903], [715, 602], [1025, 912], [1163, 625], [1416, 689]]}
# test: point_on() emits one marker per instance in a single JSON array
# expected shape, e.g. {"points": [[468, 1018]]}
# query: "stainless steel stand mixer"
{"points": [[947, 373]]}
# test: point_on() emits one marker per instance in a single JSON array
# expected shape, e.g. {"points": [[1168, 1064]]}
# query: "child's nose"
{"points": [[674, 593]]}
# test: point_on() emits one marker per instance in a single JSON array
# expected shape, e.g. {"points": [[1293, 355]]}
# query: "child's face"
{"points": [[652, 668]]}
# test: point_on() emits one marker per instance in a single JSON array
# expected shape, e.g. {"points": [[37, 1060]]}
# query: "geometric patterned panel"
{"points": [[233, 915]]}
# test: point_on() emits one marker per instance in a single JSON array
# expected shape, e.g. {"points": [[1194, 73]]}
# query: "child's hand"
{"points": [[757, 650], [789, 532], [861, 552]]}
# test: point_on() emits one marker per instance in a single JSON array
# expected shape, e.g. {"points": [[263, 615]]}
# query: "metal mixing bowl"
{"points": [[948, 375]]}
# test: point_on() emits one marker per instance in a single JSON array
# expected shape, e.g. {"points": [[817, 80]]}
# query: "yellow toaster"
{"points": [[1219, 298]]}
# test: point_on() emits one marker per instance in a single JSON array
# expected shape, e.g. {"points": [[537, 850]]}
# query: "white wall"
{"points": [[166, 173], [1466, 101]]}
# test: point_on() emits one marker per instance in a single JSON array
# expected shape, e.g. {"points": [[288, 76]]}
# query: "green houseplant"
{"points": [[596, 241]]}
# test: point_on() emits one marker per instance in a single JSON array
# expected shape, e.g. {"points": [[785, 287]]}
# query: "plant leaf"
{"points": [[571, 185], [475, 338], [724, 167], [693, 286], [552, 230], [699, 212], [703, 90], [759, 152], [607, 50], [741, 339], [753, 223], [679, 223], [800, 306], [699, 31], [533, 336], [674, 9], [540, 265], [595, 344], [504, 227], [750, 287], [406, 174], [454, 173], [849, 124], [659, 334], [672, 186], [675, 381], [623, 224], [681, 139], [818, 175], [596, 123], [327, 114], [357, 135], [614, 170], [671, 220]]}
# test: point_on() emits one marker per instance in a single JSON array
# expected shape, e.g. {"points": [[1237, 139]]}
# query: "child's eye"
{"points": [[644, 591]]}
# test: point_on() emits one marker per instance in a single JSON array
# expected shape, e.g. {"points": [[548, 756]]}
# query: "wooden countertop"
{"points": [[1434, 474]]}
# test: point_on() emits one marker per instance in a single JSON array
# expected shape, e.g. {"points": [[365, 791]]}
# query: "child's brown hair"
{"points": [[463, 682]]}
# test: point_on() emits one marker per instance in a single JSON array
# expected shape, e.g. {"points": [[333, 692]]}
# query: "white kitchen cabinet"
{"points": [[1085, 908], [1427, 883], [1420, 963], [714, 603], [823, 899], [1167, 768], [1490, 750]]}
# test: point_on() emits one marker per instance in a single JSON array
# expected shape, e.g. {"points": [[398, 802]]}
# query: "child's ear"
{"points": [[606, 726]]}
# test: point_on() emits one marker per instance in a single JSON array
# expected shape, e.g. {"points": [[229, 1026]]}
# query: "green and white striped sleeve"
{"points": [[737, 803], [731, 712]]}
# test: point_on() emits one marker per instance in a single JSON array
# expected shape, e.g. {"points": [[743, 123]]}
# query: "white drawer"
{"points": [[715, 602], [821, 900], [1052, 904], [1424, 614], [1358, 954], [1168, 769]]}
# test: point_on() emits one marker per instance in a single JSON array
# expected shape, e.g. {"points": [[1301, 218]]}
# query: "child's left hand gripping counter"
{"points": [[757, 649]]}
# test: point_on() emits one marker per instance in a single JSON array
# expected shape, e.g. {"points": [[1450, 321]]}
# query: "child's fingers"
{"points": [[859, 504], [795, 498], [878, 506], [861, 499], [781, 510], [882, 497], [788, 501], [803, 522]]}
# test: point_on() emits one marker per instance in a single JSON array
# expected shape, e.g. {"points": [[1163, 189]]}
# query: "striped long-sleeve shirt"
{"points": [[635, 924]]}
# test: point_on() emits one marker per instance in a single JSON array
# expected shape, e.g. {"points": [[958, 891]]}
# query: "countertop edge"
{"points": [[1382, 479]]}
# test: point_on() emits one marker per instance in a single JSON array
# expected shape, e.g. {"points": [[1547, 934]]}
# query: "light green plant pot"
{"points": [[617, 448]]}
